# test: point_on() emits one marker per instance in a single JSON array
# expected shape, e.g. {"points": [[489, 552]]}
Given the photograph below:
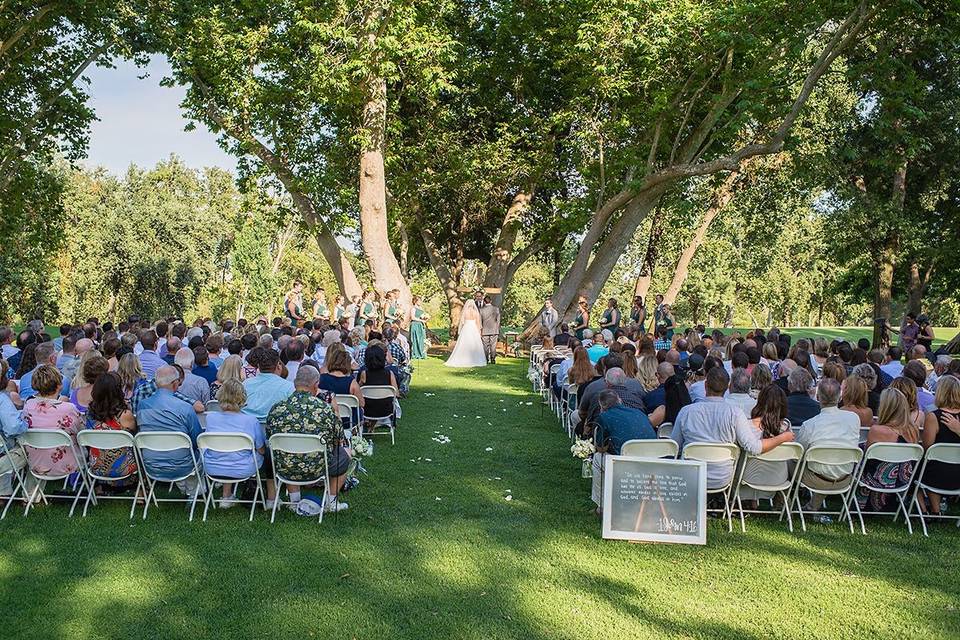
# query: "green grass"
{"points": [[403, 564]]}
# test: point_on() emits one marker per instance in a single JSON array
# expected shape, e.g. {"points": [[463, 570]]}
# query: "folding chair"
{"points": [[300, 444], [53, 439], [381, 392], [665, 430], [782, 454], [571, 402], [890, 452], [212, 405], [717, 453], [165, 442], [845, 457], [224, 442], [548, 388], [347, 403], [106, 440], [946, 453], [16, 480], [650, 448]]}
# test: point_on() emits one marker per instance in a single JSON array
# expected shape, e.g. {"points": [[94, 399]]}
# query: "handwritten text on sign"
{"points": [[654, 500]]}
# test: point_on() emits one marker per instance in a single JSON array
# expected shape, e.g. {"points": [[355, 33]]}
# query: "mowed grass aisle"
{"points": [[433, 549]]}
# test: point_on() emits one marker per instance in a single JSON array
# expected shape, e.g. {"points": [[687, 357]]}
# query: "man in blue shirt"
{"points": [[618, 423], [163, 411], [11, 426], [46, 354], [267, 388], [598, 349], [150, 361]]}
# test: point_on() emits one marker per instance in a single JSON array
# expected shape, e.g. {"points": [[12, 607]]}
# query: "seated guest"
{"points": [[562, 339], [11, 426], [304, 412], [131, 374], [909, 390], [618, 423], [295, 353], [739, 396], [267, 388], [231, 369], [94, 365], [193, 386], [697, 375], [375, 373], [338, 378], [917, 373], [164, 411], [168, 349], [646, 374], [829, 427], [240, 465], [150, 361], [834, 370], [582, 371], [46, 410], [800, 406], [866, 373], [598, 349], [853, 397], [893, 425], [891, 362], [588, 393], [714, 420], [769, 417], [942, 425], [628, 389], [655, 400], [760, 379], [108, 411], [676, 397], [940, 366], [42, 353], [202, 365]]}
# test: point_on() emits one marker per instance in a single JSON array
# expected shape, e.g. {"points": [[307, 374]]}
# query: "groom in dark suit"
{"points": [[489, 329]]}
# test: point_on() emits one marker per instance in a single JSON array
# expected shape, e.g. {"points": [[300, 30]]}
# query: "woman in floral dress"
{"points": [[47, 411]]}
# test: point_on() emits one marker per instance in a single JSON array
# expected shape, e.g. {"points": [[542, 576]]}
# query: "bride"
{"points": [[468, 352]]}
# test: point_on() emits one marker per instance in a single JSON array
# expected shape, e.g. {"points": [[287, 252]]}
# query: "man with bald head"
{"points": [[164, 411]]}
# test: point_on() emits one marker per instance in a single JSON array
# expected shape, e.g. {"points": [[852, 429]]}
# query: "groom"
{"points": [[489, 329]]}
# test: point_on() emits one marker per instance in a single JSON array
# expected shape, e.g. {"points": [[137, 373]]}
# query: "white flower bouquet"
{"points": [[582, 449], [362, 448]]}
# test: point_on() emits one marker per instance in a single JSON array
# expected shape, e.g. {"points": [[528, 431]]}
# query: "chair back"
{"points": [[46, 438], [650, 448], [712, 452], [105, 439], [212, 405], [348, 400], [378, 392], [895, 452], [225, 442], [162, 441], [833, 456], [944, 452], [665, 430], [298, 443], [786, 452], [572, 399]]}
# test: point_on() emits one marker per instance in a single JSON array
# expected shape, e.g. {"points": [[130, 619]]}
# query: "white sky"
{"points": [[141, 122]]}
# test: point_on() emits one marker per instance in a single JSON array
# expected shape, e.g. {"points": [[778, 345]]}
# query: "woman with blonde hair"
{"points": [[893, 426], [936, 430], [909, 389], [760, 379], [77, 379], [853, 398], [647, 373], [231, 369], [131, 374]]}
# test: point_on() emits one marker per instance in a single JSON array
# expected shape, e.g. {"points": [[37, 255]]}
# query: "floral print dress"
{"points": [[47, 413]]}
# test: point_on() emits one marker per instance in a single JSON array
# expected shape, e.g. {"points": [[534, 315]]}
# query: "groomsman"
{"points": [[549, 319]]}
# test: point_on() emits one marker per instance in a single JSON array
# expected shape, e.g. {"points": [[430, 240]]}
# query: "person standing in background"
{"points": [[418, 330], [611, 316], [638, 314], [549, 319], [489, 329]]}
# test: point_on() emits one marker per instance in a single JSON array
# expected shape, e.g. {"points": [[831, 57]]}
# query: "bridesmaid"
{"points": [[611, 316], [339, 311], [582, 319], [320, 309], [418, 330], [638, 313]]}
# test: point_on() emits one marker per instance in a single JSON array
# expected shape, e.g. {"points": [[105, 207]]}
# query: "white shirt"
{"points": [[831, 428], [716, 420], [743, 401], [292, 367], [9, 351], [893, 368]]}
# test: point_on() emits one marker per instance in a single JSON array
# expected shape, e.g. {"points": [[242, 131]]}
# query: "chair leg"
{"points": [[33, 496], [796, 500], [14, 489], [256, 494], [86, 504], [906, 516], [136, 494], [743, 523], [207, 500], [786, 510], [196, 496], [150, 496]]}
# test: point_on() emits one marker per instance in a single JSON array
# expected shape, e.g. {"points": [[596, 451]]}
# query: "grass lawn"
{"points": [[432, 549]]}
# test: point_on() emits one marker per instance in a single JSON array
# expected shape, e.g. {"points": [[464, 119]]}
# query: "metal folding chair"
{"points": [[53, 439], [225, 442], [300, 444], [783, 454], [845, 458], [946, 453], [381, 392], [165, 442], [106, 440], [650, 448], [717, 453]]}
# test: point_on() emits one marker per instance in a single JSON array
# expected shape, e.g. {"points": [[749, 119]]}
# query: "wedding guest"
{"points": [[202, 366], [563, 337], [937, 429], [193, 386], [893, 425], [46, 410], [800, 406], [739, 392], [131, 374], [338, 378], [90, 371], [769, 417], [854, 398], [917, 373], [375, 373], [618, 423], [268, 387], [108, 411], [909, 390]]}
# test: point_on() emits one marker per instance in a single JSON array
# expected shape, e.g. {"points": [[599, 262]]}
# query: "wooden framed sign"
{"points": [[655, 500]]}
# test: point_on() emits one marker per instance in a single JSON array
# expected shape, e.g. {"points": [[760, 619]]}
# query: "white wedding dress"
{"points": [[468, 352]]}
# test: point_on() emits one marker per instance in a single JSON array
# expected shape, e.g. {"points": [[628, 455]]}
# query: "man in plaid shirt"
{"points": [[661, 343]]}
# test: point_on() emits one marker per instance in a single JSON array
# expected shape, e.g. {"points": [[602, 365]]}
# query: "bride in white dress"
{"points": [[468, 352]]}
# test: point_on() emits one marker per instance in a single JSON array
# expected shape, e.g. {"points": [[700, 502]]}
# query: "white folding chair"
{"points": [[17, 484], [381, 392], [106, 440], [650, 448], [665, 430], [43, 439], [782, 454], [212, 405], [165, 442], [298, 444], [347, 404], [548, 388], [943, 452], [845, 459], [714, 453], [892, 453], [571, 403], [226, 442]]}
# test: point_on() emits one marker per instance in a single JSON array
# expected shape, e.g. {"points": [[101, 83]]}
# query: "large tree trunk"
{"points": [[342, 269], [497, 267], [721, 197], [447, 281], [647, 267], [886, 261]]}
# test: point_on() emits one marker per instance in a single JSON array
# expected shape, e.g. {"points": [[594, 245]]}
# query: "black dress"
{"points": [[940, 474], [377, 408]]}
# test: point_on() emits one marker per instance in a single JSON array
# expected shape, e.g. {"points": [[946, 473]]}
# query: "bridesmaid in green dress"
{"points": [[418, 330], [338, 309], [582, 319], [320, 309]]}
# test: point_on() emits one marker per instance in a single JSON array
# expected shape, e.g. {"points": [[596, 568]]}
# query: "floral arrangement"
{"points": [[362, 448], [582, 449]]}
